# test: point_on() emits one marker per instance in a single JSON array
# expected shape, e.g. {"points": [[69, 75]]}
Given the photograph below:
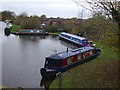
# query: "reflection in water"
{"points": [[7, 34], [55, 37], [46, 82], [32, 37], [68, 45]]}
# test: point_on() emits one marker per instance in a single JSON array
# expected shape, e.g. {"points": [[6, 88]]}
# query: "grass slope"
{"points": [[57, 33], [101, 72]]}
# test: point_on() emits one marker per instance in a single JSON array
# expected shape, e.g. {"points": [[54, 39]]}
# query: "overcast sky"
{"points": [[51, 8]]}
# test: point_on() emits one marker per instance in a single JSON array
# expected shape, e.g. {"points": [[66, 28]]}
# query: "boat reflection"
{"points": [[32, 37], [68, 44], [46, 82]]}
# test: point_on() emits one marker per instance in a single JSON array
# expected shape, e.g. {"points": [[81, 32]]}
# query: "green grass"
{"points": [[57, 33], [15, 28], [101, 72]]}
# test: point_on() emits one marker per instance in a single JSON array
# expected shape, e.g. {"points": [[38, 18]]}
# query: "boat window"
{"points": [[71, 38], [75, 39], [79, 57], [31, 31], [91, 52], [63, 35], [79, 41], [64, 62], [46, 63], [86, 54], [69, 60], [37, 31]]}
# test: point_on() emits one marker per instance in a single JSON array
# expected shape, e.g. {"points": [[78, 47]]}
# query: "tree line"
{"points": [[23, 20], [98, 27], [106, 29]]}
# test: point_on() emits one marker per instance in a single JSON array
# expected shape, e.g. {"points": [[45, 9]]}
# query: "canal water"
{"points": [[23, 56]]}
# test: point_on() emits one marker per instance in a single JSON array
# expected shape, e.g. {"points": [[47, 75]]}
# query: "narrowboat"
{"points": [[81, 41], [31, 32], [64, 61]]}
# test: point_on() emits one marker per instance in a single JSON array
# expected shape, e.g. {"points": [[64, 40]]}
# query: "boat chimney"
{"points": [[67, 49]]}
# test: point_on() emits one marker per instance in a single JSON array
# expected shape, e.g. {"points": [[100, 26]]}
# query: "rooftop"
{"points": [[64, 55]]}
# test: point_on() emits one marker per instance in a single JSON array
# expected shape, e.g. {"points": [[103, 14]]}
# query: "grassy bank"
{"points": [[15, 28], [57, 33], [101, 72]]}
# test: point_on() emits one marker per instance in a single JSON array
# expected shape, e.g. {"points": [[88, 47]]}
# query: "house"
{"points": [[52, 21]]}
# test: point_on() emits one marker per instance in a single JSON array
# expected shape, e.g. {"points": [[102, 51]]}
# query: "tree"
{"points": [[8, 15], [111, 8], [68, 25], [20, 18], [23, 14], [43, 18], [31, 22]]}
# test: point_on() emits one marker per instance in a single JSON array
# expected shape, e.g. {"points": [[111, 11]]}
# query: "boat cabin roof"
{"points": [[72, 35], [63, 55]]}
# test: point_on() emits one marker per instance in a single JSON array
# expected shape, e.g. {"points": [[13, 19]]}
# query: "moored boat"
{"points": [[7, 29], [81, 41], [64, 61], [31, 32]]}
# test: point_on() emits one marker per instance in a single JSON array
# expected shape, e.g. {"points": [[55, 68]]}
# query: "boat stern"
{"points": [[48, 72]]}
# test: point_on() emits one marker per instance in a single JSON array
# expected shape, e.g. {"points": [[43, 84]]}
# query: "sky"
{"points": [[51, 8]]}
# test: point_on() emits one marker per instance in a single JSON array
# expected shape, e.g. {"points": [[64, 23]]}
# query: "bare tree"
{"points": [[110, 8], [81, 14]]}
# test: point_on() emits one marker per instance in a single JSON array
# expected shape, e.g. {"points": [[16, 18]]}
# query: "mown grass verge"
{"points": [[15, 28], [57, 33], [101, 72]]}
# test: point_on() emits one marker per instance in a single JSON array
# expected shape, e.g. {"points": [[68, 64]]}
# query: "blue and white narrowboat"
{"points": [[31, 32], [64, 61], [81, 41]]}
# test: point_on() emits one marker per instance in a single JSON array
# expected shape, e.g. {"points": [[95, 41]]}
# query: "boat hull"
{"points": [[7, 31], [70, 41], [45, 73], [79, 62]]}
